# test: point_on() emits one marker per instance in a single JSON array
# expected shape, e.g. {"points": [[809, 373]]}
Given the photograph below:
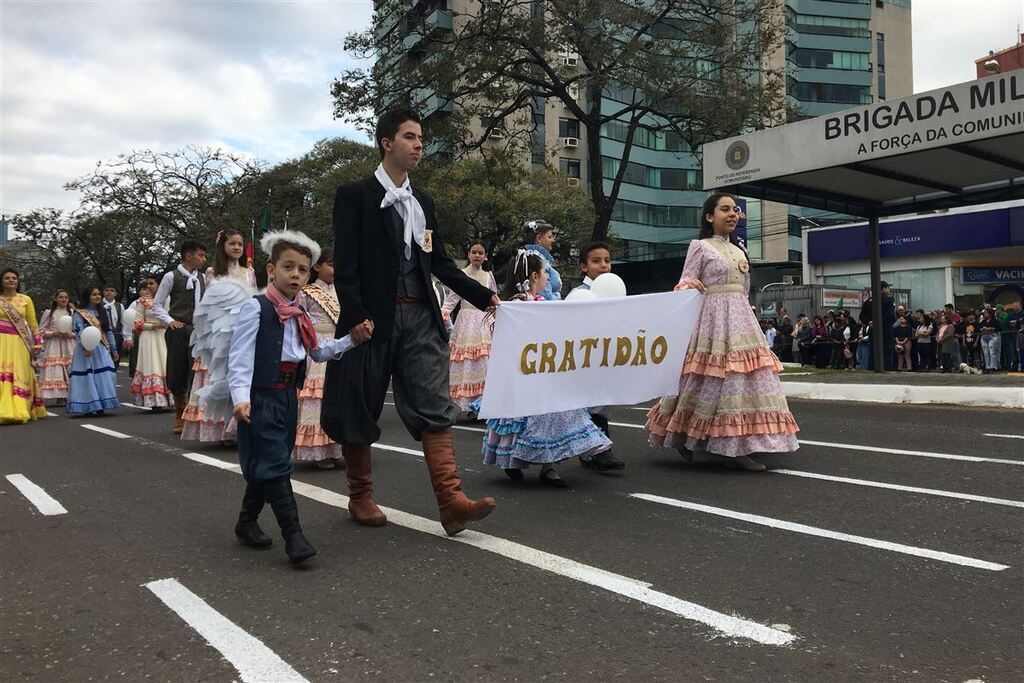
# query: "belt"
{"points": [[723, 289], [286, 375], [407, 300]]}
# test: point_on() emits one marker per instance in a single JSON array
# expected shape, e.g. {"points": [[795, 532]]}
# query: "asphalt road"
{"points": [[821, 580]]}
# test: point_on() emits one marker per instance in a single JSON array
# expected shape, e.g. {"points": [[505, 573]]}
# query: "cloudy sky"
{"points": [[82, 81]]}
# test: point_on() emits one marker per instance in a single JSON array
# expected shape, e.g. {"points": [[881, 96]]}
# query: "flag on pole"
{"points": [[285, 220], [265, 227], [250, 249]]}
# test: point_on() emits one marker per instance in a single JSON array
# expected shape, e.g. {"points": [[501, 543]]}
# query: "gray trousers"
{"points": [[414, 362]]}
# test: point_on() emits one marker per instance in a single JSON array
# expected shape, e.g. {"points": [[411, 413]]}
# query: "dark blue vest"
{"points": [[269, 340]]}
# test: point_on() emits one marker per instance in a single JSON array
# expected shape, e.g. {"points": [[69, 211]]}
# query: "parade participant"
{"points": [[92, 385], [175, 302], [470, 342], [540, 239], [513, 444], [387, 247], [596, 259], [20, 396], [267, 361], [730, 400], [230, 267], [867, 313], [114, 311], [321, 302], [149, 383], [58, 348]]}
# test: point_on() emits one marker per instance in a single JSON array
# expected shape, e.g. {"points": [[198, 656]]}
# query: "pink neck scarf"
{"points": [[288, 309]]}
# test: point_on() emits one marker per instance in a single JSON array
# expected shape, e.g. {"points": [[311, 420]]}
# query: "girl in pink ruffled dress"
{"points": [[58, 348], [470, 342], [730, 400]]}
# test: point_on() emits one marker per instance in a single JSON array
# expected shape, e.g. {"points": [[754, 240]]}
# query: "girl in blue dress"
{"points": [[515, 444], [92, 385]]}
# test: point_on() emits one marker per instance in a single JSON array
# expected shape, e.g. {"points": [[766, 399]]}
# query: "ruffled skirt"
{"points": [[20, 396], [149, 385], [311, 442], [197, 426], [730, 399], [541, 439], [54, 367], [92, 385], [470, 348]]}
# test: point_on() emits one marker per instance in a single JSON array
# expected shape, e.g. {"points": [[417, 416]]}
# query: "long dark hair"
{"points": [[706, 228], [326, 256], [220, 259], [486, 265], [86, 302], [53, 304], [523, 265], [11, 270]]}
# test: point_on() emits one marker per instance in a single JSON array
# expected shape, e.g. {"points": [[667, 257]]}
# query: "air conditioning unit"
{"points": [[791, 279], [570, 61], [570, 143], [496, 134], [574, 182]]}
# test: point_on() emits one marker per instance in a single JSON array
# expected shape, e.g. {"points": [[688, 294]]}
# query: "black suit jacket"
{"points": [[367, 260]]}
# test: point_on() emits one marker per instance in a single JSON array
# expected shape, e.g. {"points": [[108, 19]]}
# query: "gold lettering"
{"points": [[604, 357], [547, 357], [623, 350], [641, 353], [659, 349], [528, 367], [588, 345], [569, 359]]}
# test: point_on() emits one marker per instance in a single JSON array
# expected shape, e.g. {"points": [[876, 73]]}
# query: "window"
{"points": [[828, 59], [649, 176], [568, 128], [569, 167], [828, 92], [881, 86], [498, 122], [674, 179], [829, 26]]}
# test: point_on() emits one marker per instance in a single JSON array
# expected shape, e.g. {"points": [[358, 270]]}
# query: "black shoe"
{"points": [[602, 423], [282, 501], [550, 477], [514, 474], [606, 461], [247, 530]]}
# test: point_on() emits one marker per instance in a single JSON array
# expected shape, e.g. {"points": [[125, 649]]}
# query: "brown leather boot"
{"points": [[360, 487], [179, 408], [455, 508]]}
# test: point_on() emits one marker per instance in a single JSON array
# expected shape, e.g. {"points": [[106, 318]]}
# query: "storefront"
{"points": [[964, 256]]}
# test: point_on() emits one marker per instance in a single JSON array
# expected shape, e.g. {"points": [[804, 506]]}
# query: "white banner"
{"points": [[548, 356]]}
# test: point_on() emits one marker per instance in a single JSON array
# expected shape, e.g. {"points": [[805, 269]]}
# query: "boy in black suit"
{"points": [[386, 248]]}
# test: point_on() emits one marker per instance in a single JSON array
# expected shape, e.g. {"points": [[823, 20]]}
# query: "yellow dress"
{"points": [[20, 397]]}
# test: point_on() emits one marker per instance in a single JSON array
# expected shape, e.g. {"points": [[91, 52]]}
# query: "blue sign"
{"points": [[995, 274], [914, 237]]}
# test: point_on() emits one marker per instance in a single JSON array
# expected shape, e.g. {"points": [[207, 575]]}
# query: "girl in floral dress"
{"points": [[149, 383], [515, 444], [730, 400], [470, 342], [321, 302], [20, 397], [229, 261], [58, 348]]}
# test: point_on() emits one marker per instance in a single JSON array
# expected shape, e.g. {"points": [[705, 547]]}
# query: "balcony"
{"points": [[419, 29]]}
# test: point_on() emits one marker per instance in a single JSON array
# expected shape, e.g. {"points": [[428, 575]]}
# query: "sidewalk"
{"points": [[1004, 390]]}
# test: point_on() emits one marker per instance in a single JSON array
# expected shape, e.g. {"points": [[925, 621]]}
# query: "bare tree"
{"points": [[697, 69]]}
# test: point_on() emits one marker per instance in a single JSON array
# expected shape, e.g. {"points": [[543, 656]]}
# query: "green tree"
{"points": [[695, 69]]}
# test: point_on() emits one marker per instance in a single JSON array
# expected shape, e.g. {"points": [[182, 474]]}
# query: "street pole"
{"points": [[878, 337]]}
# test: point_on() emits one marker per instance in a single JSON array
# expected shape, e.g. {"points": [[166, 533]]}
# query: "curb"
{"points": [[989, 397]]}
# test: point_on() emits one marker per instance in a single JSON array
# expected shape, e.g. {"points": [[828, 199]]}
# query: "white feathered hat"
{"points": [[268, 241]]}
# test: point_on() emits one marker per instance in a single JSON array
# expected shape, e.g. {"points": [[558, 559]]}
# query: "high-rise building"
{"points": [[837, 54], [3, 230]]}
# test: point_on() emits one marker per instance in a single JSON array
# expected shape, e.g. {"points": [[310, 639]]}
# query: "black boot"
{"points": [[282, 501], [247, 530], [606, 461], [602, 423]]}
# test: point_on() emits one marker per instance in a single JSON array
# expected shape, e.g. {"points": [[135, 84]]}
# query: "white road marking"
{"points": [[1007, 436], [43, 501], [900, 487], [388, 403], [826, 533], [253, 660], [470, 429], [108, 432], [132, 405], [627, 424], [398, 449], [49, 414], [215, 462]]}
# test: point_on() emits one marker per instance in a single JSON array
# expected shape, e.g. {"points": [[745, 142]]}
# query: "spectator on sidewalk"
{"points": [[923, 338], [770, 333], [972, 341], [1006, 317], [864, 347], [837, 338], [819, 342], [990, 346], [903, 333], [957, 321], [888, 321], [804, 338], [784, 340], [946, 339], [1020, 348]]}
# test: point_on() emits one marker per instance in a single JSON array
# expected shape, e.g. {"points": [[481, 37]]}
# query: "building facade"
{"points": [[995, 62], [837, 54]]}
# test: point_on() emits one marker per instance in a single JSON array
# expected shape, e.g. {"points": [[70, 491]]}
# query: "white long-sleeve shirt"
{"points": [[164, 291], [111, 308], [242, 357]]}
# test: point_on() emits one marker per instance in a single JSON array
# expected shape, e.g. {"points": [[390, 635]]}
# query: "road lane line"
{"points": [[49, 414], [627, 424], [132, 405], [1006, 436], [900, 487], [43, 501], [253, 660], [826, 533], [108, 432], [470, 429], [725, 624]]}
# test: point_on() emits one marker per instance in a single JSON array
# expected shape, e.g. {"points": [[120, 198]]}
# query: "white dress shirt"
{"points": [[164, 291], [242, 357], [112, 311]]}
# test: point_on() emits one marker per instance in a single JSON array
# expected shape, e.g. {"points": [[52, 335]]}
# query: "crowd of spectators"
{"points": [[988, 339]]}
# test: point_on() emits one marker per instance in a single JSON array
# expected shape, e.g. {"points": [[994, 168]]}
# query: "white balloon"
{"points": [[129, 316], [90, 338], [608, 286], [64, 324], [580, 295]]}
